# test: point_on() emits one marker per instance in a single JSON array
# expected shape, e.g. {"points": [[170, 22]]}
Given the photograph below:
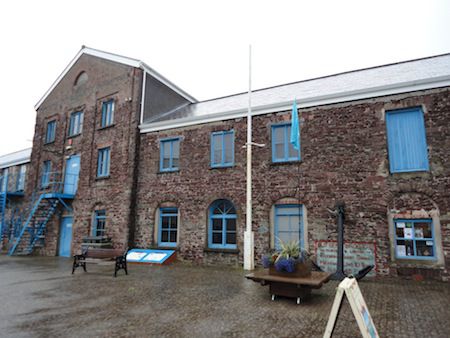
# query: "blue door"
{"points": [[71, 175], [65, 236]]}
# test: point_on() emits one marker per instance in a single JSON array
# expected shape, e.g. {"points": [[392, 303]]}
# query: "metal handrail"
{"points": [[55, 182]]}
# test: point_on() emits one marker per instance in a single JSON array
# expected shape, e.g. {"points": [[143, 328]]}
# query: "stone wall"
{"points": [[343, 158], [105, 80]]}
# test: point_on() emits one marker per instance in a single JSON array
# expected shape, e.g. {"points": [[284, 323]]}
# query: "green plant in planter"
{"points": [[288, 258], [289, 249]]}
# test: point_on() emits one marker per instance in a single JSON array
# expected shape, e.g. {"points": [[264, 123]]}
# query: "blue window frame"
{"points": [[414, 239], [407, 144], [20, 182], [288, 224], [51, 132], [99, 225], [103, 162], [168, 227], [46, 170], [222, 149], [107, 113], [222, 225], [170, 154], [76, 123], [282, 149]]}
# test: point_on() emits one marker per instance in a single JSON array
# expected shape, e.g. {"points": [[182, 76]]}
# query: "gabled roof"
{"points": [[402, 77], [120, 59], [15, 158]]}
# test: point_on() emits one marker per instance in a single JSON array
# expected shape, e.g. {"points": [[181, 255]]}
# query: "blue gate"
{"points": [[65, 236], [71, 175]]}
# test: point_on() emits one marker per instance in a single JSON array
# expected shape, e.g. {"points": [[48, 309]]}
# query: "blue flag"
{"points": [[295, 128]]}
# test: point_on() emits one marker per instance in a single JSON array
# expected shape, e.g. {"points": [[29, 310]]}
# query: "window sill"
{"points": [[218, 250], [168, 171], [49, 143], [416, 263], [100, 178], [73, 136], [222, 167], [411, 174], [106, 127], [274, 164], [165, 247]]}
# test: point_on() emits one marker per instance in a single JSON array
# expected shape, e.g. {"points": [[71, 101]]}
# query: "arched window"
{"points": [[222, 225], [81, 78]]}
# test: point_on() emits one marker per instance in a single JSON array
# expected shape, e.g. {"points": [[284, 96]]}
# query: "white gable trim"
{"points": [[119, 59]]}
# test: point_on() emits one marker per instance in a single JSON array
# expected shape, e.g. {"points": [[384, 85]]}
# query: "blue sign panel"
{"points": [[148, 256]]}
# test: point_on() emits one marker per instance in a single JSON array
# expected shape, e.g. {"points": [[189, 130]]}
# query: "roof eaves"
{"points": [[366, 93]]}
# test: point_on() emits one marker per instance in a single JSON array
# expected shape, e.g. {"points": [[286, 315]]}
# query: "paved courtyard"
{"points": [[40, 298]]}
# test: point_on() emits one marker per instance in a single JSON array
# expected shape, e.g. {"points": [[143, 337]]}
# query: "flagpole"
{"points": [[249, 261]]}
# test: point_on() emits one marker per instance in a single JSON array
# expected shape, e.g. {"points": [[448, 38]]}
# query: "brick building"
{"points": [[140, 161]]}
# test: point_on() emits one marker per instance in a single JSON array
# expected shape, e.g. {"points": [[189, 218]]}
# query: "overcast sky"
{"points": [[202, 46]]}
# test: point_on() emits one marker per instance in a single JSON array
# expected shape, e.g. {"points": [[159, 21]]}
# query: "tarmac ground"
{"points": [[39, 297]]}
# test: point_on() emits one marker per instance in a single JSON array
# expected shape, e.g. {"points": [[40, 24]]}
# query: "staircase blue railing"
{"points": [[53, 192], [3, 200]]}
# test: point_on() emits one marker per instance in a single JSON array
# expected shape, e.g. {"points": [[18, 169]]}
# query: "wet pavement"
{"points": [[40, 298]]}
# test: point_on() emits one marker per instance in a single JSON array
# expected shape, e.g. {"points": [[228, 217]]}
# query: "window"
{"points": [[4, 180], [407, 144], [282, 149], [99, 223], [76, 123], [168, 226], [222, 225], [103, 162], [46, 170], [288, 224], [107, 113], [51, 132], [414, 239], [20, 183], [170, 154], [222, 149]]}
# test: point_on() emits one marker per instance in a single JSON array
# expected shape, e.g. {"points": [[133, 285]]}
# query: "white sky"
{"points": [[202, 46]]}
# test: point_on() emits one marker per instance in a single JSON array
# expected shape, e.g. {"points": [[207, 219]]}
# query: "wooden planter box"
{"points": [[301, 270]]}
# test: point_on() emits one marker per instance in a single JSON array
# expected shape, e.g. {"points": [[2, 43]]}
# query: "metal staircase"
{"points": [[34, 227], [3, 228]]}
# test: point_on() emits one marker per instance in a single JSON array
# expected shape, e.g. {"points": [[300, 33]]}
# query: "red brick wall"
{"points": [[344, 158], [105, 80]]}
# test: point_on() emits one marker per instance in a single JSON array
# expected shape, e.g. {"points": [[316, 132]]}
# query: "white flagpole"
{"points": [[249, 261]]}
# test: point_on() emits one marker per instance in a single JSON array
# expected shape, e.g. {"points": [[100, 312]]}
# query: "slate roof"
{"points": [[426, 73]]}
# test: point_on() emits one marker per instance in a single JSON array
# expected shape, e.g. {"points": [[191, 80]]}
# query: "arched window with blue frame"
{"points": [[222, 225]]}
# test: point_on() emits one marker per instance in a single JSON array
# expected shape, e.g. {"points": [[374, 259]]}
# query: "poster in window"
{"points": [[400, 224], [418, 233], [408, 233], [401, 250]]}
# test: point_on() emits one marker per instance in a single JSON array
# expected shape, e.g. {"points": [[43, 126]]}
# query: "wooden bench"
{"points": [[102, 257]]}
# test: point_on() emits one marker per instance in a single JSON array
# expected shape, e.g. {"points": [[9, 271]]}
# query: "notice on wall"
{"points": [[357, 255]]}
